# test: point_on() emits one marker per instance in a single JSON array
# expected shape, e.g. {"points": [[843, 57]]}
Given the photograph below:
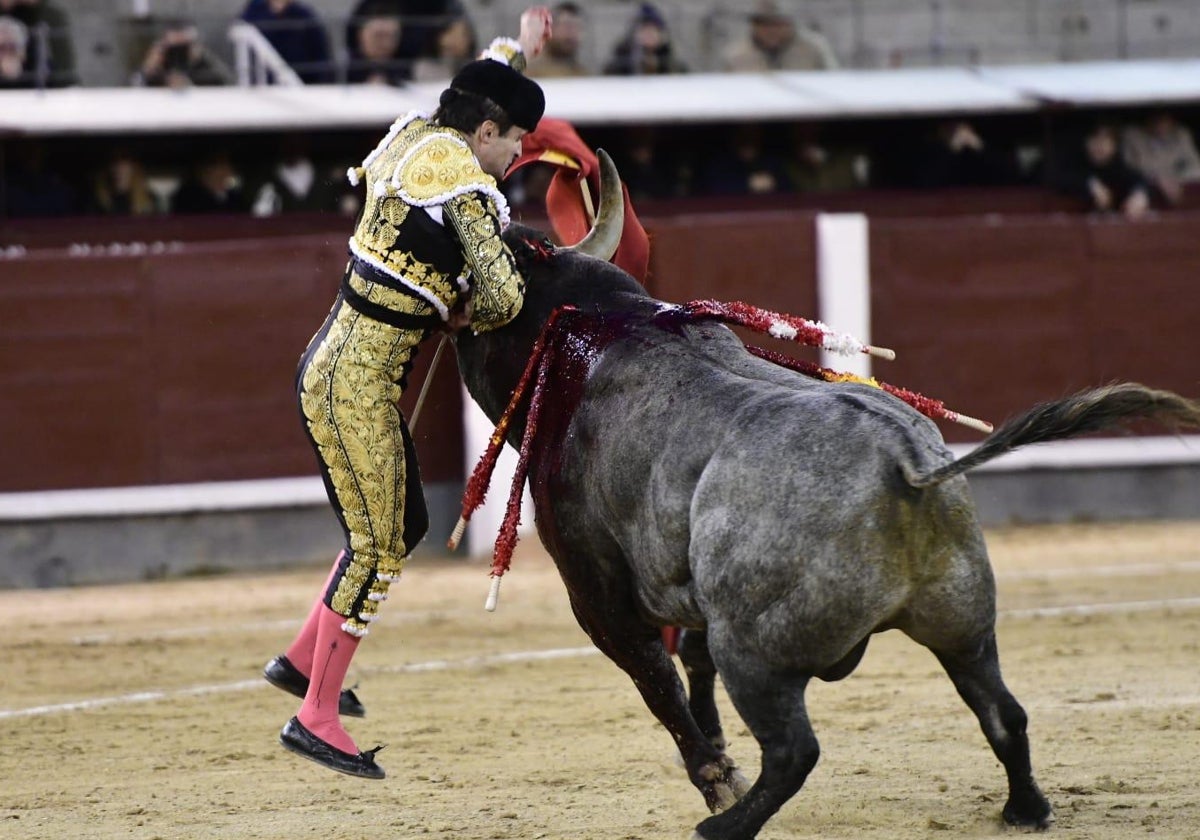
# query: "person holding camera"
{"points": [[178, 60]]}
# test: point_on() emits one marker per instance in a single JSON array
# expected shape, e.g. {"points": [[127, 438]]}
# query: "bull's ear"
{"points": [[604, 237]]}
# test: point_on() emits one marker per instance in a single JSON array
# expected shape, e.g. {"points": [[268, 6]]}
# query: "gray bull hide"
{"points": [[678, 480]]}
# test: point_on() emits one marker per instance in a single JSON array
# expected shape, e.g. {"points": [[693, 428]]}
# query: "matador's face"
{"points": [[495, 151]]}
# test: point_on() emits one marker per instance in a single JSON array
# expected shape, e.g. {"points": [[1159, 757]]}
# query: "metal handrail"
{"points": [[257, 62]]}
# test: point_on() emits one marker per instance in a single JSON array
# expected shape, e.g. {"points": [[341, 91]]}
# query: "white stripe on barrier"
{"points": [[1093, 453], [485, 522], [276, 493], [158, 500], [844, 284]]}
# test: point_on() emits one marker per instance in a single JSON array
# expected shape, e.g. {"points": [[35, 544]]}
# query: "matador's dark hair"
{"points": [[465, 112]]}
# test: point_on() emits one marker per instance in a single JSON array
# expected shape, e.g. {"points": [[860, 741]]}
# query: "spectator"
{"points": [[454, 45], [646, 171], [178, 60], [421, 22], [298, 184], [816, 166], [646, 49], [1100, 177], [121, 189], [955, 155], [14, 41], [49, 50], [744, 166], [375, 57], [1164, 153], [774, 43], [31, 186], [297, 34], [560, 58], [212, 187]]}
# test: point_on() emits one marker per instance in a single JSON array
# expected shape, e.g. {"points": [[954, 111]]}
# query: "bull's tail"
{"points": [[1086, 411]]}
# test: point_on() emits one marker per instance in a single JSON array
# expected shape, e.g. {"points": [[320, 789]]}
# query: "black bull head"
{"points": [[781, 520]]}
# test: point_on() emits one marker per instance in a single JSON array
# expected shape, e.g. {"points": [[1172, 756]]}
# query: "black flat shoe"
{"points": [[281, 673], [295, 737]]}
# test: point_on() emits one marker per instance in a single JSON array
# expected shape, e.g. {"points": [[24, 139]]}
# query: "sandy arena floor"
{"points": [[138, 711]]}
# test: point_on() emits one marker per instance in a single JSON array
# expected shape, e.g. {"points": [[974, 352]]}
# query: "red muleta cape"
{"points": [[557, 143]]}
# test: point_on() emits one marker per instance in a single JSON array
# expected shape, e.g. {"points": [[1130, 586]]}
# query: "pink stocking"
{"points": [[334, 650], [300, 654]]}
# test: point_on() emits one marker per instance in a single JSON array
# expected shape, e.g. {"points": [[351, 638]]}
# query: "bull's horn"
{"points": [[604, 237]]}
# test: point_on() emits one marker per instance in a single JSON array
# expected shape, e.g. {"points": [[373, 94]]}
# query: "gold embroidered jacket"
{"points": [[430, 229]]}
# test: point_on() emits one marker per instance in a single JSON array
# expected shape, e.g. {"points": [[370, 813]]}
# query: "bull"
{"points": [[779, 519]]}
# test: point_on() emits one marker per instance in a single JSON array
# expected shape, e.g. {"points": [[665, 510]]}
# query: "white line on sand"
{"points": [[1102, 609], [1113, 571], [469, 663], [136, 697], [247, 627], [473, 662], [186, 632], [199, 631]]}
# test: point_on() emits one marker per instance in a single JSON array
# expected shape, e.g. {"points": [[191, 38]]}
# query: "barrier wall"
{"points": [[171, 367], [177, 366], [994, 314]]}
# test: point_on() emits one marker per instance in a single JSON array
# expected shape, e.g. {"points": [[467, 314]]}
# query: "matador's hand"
{"points": [[535, 30], [460, 316]]}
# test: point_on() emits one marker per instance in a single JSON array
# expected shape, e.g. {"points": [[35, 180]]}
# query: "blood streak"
{"points": [[559, 366]]}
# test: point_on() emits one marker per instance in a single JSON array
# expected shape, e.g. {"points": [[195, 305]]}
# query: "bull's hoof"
{"points": [[724, 784], [720, 798], [740, 784], [1030, 814]]}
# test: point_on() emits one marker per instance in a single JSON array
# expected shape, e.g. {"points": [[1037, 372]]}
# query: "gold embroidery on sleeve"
{"points": [[499, 287]]}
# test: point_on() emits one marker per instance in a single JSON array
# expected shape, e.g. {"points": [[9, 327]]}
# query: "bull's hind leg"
{"points": [[772, 705], [702, 678], [976, 675]]}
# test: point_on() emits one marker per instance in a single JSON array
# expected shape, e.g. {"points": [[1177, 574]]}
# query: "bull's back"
{"points": [[693, 453]]}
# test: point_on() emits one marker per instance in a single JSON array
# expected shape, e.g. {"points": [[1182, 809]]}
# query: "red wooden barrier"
{"points": [[178, 366]]}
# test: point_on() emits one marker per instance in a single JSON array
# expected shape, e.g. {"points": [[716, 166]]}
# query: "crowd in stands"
{"points": [[36, 49], [1139, 163], [394, 42], [1130, 166]]}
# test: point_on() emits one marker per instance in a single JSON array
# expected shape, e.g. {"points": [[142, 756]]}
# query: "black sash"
{"points": [[400, 320]]}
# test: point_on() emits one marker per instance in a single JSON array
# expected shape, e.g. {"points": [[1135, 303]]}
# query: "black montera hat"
{"points": [[520, 97]]}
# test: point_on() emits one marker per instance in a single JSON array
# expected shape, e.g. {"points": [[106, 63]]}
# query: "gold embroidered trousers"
{"points": [[348, 387]]}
